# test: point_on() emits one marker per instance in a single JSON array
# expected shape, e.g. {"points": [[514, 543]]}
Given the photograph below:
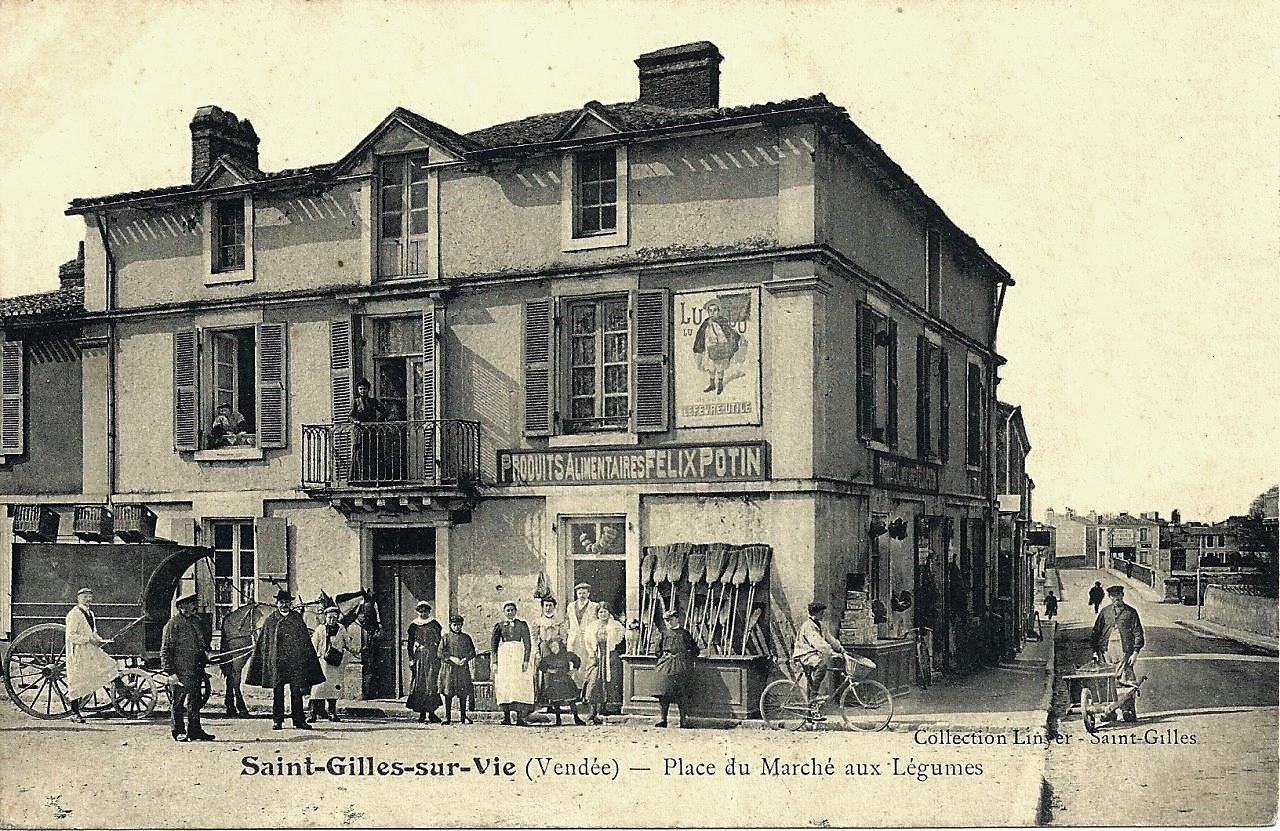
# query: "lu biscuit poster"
{"points": [[717, 358]]}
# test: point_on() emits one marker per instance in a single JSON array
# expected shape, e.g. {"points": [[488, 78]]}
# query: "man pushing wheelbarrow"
{"points": [[1116, 640]]}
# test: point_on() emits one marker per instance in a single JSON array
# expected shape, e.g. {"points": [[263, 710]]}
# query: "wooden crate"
{"points": [[36, 523], [93, 523], [135, 523], [482, 697]]}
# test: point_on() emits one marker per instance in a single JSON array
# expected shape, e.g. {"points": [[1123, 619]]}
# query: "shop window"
{"points": [[234, 566], [877, 376], [403, 216], [597, 554]]}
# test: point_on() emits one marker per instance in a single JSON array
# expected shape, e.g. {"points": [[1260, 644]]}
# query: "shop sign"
{"points": [[717, 357], [732, 462], [905, 474]]}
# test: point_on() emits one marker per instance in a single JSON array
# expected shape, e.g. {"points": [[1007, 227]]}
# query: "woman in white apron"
{"points": [[332, 643], [513, 679], [89, 668]]}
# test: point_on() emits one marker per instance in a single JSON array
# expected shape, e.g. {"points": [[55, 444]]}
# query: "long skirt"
{"points": [[511, 685], [424, 690], [455, 680], [602, 686]]}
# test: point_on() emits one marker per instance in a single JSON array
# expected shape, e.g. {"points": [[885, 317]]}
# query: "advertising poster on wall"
{"points": [[717, 357]]}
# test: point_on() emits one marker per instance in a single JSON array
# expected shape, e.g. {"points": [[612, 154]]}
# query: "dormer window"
{"points": [[229, 234], [595, 209], [403, 216]]}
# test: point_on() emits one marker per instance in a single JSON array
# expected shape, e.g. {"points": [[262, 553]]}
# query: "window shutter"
{"points": [[271, 555], [650, 374], [539, 404], [944, 405], [273, 373], [341, 365], [12, 412], [186, 401], [891, 417], [973, 415], [922, 396], [432, 361], [866, 369]]}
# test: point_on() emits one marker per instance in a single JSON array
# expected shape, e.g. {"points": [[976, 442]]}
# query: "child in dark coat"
{"points": [[457, 650], [558, 686]]}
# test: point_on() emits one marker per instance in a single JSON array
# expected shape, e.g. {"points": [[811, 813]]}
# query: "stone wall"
{"points": [[1237, 610]]}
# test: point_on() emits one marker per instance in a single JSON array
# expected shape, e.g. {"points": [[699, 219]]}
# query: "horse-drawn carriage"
{"points": [[134, 586]]}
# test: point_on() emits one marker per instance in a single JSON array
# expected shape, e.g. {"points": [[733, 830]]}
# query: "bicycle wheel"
{"points": [[866, 705], [924, 668], [783, 705]]}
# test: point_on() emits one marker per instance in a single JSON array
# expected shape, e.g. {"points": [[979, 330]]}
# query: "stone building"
{"points": [[591, 331], [1075, 537]]}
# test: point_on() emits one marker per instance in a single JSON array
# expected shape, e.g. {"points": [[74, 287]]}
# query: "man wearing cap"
{"points": [[284, 655], [674, 669], [816, 650], [89, 667], [183, 657], [581, 612], [1117, 639]]}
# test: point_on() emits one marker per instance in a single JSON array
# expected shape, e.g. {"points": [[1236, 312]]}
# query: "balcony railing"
{"points": [[385, 454]]}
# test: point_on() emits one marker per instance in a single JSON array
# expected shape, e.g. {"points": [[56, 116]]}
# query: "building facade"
{"points": [[1075, 537], [588, 333]]}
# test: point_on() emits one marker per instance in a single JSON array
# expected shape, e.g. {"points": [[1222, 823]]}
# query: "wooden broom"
{"points": [[758, 557], [674, 569], [739, 577], [717, 556], [648, 565], [695, 567], [722, 611]]}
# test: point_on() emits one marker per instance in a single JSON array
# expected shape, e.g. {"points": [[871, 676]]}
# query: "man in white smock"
{"points": [[580, 613], [89, 667]]}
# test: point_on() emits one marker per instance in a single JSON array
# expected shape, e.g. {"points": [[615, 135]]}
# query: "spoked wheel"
{"points": [[1086, 703], [35, 673], [866, 705], [97, 702], [783, 705], [135, 694]]}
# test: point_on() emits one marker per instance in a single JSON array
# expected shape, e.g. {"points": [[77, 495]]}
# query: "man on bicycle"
{"points": [[816, 651]]}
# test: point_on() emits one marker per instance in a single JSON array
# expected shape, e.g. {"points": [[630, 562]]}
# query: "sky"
{"points": [[1119, 159]]}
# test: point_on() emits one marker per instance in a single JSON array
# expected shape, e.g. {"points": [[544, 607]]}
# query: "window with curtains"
{"points": [[877, 376], [402, 215], [599, 361], [234, 566]]}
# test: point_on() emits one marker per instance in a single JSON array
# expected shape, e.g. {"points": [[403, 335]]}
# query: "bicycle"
{"points": [[924, 655], [864, 703]]}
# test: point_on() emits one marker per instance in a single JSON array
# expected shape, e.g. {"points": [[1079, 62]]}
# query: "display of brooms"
{"points": [[705, 581]]}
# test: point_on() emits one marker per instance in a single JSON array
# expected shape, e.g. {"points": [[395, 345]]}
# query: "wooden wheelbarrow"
{"points": [[1098, 694]]}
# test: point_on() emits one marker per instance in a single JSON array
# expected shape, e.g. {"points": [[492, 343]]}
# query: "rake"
{"points": [[739, 577], [717, 557], [695, 567], [648, 564], [758, 557]]}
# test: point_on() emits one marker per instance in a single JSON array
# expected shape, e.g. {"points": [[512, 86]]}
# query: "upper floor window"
{"points": [[599, 363], [877, 376], [403, 216], [933, 405], [976, 431], [232, 404], [1143, 534], [933, 272], [229, 235], [595, 208]]}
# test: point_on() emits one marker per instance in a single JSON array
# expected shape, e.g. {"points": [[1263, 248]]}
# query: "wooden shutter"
{"points": [[186, 400], [866, 370], [944, 404], [891, 414], [341, 366], [922, 396], [538, 338], [271, 555], [651, 323], [12, 412], [273, 374], [432, 361], [973, 415]]}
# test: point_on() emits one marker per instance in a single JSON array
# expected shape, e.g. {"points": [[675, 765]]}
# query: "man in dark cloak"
{"points": [[284, 655]]}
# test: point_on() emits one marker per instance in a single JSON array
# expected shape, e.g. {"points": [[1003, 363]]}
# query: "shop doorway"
{"points": [[404, 572], [597, 554]]}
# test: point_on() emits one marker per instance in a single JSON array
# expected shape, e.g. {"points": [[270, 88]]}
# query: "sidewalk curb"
{"points": [[1046, 707], [1215, 630]]}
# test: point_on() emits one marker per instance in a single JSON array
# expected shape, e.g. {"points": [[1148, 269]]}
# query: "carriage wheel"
{"points": [[135, 694], [35, 673], [99, 701], [1086, 703]]}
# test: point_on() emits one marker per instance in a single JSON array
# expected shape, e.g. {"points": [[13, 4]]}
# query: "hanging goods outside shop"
{"points": [[717, 558], [695, 568], [648, 569]]}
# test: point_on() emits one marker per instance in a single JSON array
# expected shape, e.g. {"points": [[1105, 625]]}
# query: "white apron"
{"points": [[89, 668], [331, 689], [510, 684]]}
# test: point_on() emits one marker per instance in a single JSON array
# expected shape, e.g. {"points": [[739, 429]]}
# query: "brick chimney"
{"points": [[216, 132], [71, 273], [681, 77]]}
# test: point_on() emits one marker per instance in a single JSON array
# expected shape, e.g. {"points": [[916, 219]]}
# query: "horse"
{"points": [[240, 630]]}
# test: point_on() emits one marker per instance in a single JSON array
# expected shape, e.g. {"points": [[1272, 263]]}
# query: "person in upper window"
{"points": [[364, 407], [228, 427]]}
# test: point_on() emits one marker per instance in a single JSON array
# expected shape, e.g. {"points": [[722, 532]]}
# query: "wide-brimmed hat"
{"points": [[817, 608], [190, 597]]}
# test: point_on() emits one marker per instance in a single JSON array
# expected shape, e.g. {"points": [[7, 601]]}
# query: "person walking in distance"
{"points": [[284, 656], [183, 657], [1050, 605], [1096, 594]]}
